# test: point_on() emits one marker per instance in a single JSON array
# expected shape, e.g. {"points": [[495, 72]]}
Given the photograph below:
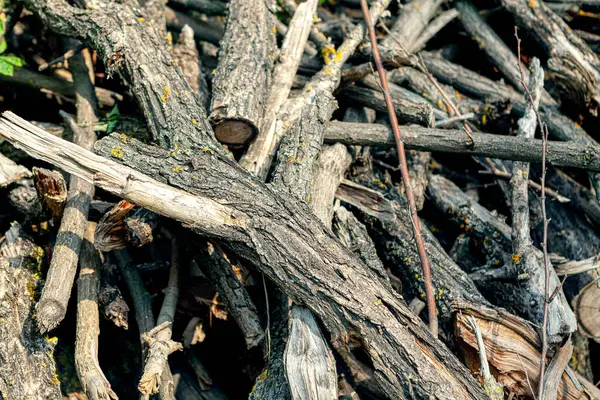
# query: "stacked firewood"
{"points": [[204, 199]]}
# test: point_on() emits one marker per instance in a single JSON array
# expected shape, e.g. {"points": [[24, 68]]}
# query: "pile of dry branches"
{"points": [[299, 200]]}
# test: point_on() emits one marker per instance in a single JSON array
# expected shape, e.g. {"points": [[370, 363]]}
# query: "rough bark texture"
{"points": [[521, 291], [52, 306], [243, 76], [523, 259], [353, 234], [391, 225], [412, 21], [90, 375], [406, 358], [566, 154], [574, 66], [27, 369], [283, 77], [407, 111], [495, 49]]}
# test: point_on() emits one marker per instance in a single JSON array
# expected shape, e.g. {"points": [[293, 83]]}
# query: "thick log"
{"points": [[242, 79], [326, 80], [310, 367], [521, 291], [281, 84], [255, 216], [27, 370]]}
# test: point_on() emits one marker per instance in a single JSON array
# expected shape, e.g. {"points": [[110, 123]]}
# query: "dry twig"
{"points": [[431, 307]]}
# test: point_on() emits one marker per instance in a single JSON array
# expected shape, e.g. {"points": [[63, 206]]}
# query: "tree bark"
{"points": [[242, 80], [406, 358]]}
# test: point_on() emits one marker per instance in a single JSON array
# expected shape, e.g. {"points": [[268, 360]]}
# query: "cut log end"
{"points": [[49, 313], [234, 132]]}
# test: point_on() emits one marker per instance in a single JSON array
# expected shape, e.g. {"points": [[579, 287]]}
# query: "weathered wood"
{"points": [[156, 367], [52, 307], [391, 229], [519, 290], [51, 190], [280, 86], [185, 55], [406, 111], [242, 79], [353, 234], [309, 363], [586, 308], [90, 375], [562, 154], [434, 26], [27, 370], [513, 349], [574, 66], [326, 80], [523, 259], [494, 48], [11, 172], [412, 21], [285, 231], [303, 357]]}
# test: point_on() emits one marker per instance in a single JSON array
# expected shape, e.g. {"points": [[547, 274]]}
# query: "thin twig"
{"points": [[70, 53], [533, 185], [431, 307], [547, 265]]}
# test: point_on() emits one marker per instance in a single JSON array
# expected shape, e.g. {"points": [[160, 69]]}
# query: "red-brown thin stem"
{"points": [[431, 307], [547, 265]]}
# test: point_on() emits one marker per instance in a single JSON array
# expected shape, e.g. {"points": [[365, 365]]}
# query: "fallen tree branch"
{"points": [[240, 306], [158, 339], [523, 292], [259, 217], [89, 372], [28, 370], [243, 75], [52, 307], [560, 154], [281, 83]]}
